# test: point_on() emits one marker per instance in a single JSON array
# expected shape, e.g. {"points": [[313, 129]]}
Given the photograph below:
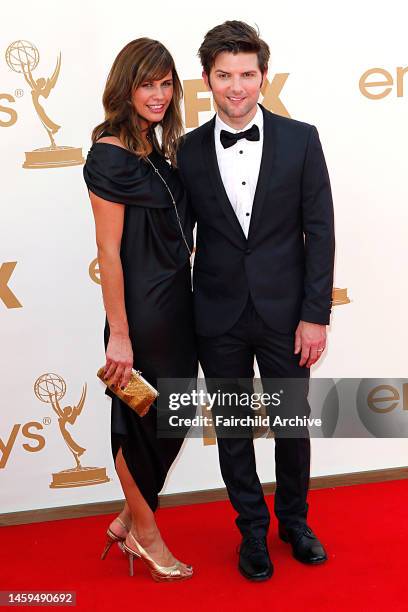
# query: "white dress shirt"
{"points": [[239, 168]]}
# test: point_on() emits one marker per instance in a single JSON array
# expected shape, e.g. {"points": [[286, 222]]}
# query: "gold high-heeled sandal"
{"points": [[159, 573], [112, 538]]}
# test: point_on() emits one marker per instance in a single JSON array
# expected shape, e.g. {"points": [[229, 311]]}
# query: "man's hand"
{"points": [[310, 338]]}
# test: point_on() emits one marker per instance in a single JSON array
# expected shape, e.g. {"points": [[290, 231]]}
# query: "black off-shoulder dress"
{"points": [[158, 297]]}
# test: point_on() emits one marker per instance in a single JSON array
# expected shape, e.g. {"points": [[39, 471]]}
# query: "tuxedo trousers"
{"points": [[230, 356]]}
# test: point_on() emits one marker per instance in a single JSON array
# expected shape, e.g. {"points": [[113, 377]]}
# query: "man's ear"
{"points": [[206, 80]]}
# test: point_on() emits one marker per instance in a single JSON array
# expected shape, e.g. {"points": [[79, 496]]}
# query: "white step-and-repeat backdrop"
{"points": [[341, 67]]}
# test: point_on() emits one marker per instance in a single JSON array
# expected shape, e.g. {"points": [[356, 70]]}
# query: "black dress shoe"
{"points": [[305, 545], [254, 561]]}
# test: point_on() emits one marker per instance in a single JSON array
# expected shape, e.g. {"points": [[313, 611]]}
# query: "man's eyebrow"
{"points": [[223, 71]]}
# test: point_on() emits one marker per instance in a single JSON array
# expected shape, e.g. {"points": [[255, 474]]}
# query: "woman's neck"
{"points": [[147, 136]]}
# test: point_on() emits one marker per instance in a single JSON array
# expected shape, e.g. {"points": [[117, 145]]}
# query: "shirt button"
{"points": [[241, 152], [243, 182], [247, 214]]}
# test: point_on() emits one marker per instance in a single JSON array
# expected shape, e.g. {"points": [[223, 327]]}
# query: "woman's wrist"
{"points": [[119, 331]]}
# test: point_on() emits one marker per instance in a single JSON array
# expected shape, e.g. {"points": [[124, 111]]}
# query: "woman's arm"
{"points": [[109, 218]]}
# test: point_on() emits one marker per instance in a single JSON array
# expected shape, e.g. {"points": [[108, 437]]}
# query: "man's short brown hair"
{"points": [[233, 37]]}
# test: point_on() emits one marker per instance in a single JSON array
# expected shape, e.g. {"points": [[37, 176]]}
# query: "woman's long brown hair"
{"points": [[139, 61]]}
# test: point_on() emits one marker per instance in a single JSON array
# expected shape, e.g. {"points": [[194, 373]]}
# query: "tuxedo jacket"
{"points": [[286, 263]]}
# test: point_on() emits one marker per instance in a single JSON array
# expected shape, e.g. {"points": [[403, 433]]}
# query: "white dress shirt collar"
{"points": [[258, 120], [239, 167]]}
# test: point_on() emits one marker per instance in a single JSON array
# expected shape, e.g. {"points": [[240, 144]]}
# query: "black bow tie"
{"points": [[228, 139]]}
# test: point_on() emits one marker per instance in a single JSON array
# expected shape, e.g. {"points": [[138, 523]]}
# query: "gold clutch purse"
{"points": [[138, 394]]}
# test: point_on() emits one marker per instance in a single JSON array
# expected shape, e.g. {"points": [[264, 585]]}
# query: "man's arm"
{"points": [[318, 229]]}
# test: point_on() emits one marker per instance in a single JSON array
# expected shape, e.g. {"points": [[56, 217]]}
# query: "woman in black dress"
{"points": [[144, 241]]}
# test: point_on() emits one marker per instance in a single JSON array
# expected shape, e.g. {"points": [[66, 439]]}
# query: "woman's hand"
{"points": [[119, 359]]}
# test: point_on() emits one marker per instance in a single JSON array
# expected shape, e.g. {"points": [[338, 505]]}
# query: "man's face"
{"points": [[235, 82]]}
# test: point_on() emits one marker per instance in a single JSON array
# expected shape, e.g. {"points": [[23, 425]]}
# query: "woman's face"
{"points": [[152, 98]]}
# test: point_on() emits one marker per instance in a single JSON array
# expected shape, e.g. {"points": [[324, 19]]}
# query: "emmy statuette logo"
{"points": [[50, 388], [23, 57]]}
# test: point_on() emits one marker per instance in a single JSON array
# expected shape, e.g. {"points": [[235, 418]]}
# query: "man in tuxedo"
{"points": [[263, 272]]}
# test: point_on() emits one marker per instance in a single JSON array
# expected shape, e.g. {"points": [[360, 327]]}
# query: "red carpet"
{"points": [[364, 528]]}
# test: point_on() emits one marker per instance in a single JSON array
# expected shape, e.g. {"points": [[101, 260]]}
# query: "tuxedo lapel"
{"points": [[265, 171], [214, 174]]}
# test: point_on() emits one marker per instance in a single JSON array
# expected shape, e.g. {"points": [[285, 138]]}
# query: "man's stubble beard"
{"points": [[236, 113]]}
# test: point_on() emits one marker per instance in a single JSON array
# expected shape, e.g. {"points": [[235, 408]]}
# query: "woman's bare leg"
{"points": [[143, 523], [125, 517]]}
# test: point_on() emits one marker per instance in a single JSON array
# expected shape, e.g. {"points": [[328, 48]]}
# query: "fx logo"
{"points": [[6, 294], [194, 103]]}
